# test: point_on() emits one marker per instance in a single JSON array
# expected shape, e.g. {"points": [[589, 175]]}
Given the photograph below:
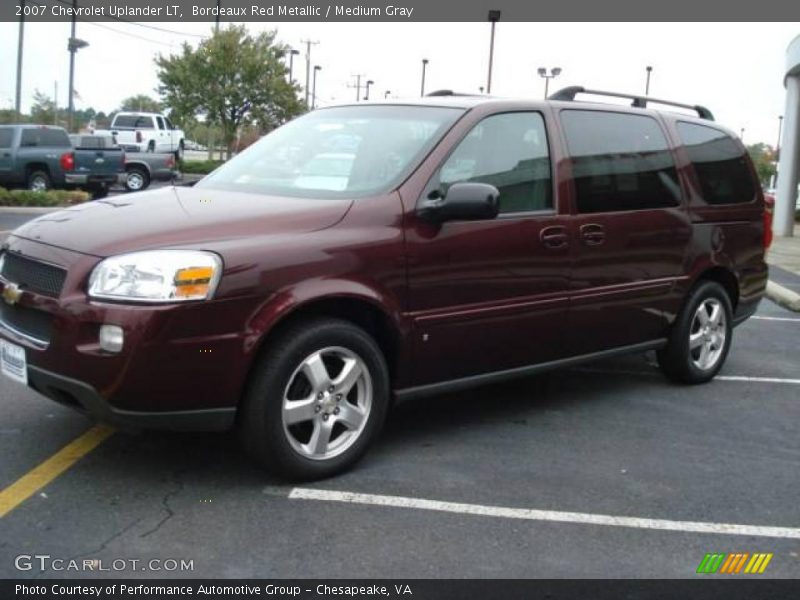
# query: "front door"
{"points": [[631, 229], [490, 295]]}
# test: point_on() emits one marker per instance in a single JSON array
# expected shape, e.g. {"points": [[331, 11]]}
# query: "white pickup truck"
{"points": [[145, 132]]}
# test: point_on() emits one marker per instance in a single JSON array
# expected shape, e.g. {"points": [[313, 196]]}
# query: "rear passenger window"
{"points": [[720, 164], [5, 137], [508, 151], [45, 137], [620, 162]]}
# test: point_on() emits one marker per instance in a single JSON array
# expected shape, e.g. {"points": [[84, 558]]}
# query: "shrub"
{"points": [[48, 198], [199, 167]]}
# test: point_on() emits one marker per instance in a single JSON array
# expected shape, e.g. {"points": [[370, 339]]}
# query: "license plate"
{"points": [[12, 362]]}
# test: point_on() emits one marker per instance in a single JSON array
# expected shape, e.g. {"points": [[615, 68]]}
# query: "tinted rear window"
{"points": [[6, 135], [45, 137], [133, 121], [720, 164], [620, 162]]}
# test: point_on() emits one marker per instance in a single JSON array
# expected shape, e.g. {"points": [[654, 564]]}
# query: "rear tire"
{"points": [[316, 400], [136, 179], [99, 192], [39, 181], [701, 336]]}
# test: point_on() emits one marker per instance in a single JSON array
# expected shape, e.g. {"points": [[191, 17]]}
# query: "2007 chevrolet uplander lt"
{"points": [[364, 253]]}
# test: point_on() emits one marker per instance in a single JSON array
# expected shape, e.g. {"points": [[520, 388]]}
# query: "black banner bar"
{"points": [[459, 589], [401, 11]]}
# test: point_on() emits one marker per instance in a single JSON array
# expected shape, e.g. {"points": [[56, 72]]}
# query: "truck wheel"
{"points": [[137, 179], [98, 192], [179, 152], [316, 400], [39, 181], [700, 337]]}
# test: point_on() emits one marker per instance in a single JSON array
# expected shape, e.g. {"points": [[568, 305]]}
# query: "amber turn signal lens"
{"points": [[193, 282]]}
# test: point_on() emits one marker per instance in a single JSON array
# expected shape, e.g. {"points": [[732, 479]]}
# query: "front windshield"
{"points": [[342, 152]]}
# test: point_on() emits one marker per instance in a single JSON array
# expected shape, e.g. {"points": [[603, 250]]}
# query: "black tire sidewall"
{"points": [[676, 359], [142, 174], [261, 420], [39, 174]]}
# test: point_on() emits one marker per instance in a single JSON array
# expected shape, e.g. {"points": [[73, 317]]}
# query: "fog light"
{"points": [[111, 338]]}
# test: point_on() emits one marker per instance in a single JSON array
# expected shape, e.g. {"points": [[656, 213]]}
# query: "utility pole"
{"points": [[308, 44], [21, 37], [216, 20], [72, 50], [357, 86], [494, 17]]}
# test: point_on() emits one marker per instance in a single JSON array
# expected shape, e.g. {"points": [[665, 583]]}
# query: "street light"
{"points": [[424, 67], [554, 72], [73, 45], [317, 69], [647, 83], [292, 54], [386, 94], [494, 17], [366, 94], [741, 134]]}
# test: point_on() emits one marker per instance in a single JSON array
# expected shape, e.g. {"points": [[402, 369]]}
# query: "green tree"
{"points": [[141, 103], [43, 109], [763, 157], [231, 79]]}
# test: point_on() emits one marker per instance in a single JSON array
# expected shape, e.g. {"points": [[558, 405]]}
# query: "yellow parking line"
{"points": [[34, 480]]}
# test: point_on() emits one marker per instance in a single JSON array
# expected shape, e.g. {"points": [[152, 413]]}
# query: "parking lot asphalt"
{"points": [[609, 439]]}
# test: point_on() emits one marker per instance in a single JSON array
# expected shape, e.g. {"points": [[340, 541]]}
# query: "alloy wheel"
{"points": [[707, 334]]}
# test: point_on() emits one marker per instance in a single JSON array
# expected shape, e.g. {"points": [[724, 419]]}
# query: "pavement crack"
{"points": [[99, 549], [165, 504]]}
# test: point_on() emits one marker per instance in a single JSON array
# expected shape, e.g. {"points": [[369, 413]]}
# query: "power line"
{"points": [[161, 29], [133, 35]]}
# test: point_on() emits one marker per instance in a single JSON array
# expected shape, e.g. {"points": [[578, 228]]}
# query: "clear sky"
{"points": [[734, 69]]}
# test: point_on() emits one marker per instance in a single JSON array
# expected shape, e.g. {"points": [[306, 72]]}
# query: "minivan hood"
{"points": [[177, 216]]}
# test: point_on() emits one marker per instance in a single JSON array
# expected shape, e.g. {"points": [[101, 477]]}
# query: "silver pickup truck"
{"points": [[140, 167]]}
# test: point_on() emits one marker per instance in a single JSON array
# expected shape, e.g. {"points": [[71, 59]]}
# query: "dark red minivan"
{"points": [[365, 253]]}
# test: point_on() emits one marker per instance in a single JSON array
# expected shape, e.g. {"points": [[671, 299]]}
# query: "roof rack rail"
{"points": [[447, 93], [569, 93]]}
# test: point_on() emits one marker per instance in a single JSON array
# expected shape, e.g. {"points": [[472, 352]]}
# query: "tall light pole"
{"points": [[292, 54], [317, 69], [741, 134], [424, 68], [73, 46], [369, 83], [494, 17], [20, 41], [386, 94], [216, 18], [554, 72], [649, 70], [777, 152], [308, 44]]}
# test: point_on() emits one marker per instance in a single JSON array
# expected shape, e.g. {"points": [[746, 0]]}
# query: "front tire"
{"points": [[701, 336], [317, 399]]}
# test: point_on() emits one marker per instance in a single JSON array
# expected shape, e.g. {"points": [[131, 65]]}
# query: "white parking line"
{"points": [[655, 373], [530, 514], [776, 319]]}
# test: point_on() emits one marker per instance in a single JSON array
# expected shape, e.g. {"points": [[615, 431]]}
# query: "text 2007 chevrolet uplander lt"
{"points": [[365, 253]]}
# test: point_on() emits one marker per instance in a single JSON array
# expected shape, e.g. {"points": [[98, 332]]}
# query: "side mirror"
{"points": [[463, 202]]}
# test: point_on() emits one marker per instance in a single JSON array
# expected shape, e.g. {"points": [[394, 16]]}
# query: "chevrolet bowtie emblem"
{"points": [[11, 293]]}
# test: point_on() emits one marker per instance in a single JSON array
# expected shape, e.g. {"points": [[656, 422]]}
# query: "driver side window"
{"points": [[508, 151]]}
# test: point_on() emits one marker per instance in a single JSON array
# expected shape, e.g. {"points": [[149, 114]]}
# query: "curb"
{"points": [[31, 210], [783, 296]]}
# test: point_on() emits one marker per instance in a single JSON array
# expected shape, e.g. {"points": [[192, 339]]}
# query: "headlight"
{"points": [[157, 276]]}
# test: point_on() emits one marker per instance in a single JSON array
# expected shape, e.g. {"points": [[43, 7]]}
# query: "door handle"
{"points": [[554, 236], [593, 234]]}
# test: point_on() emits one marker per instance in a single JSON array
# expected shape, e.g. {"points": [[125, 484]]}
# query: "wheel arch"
{"points": [[363, 309], [726, 278], [137, 163]]}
